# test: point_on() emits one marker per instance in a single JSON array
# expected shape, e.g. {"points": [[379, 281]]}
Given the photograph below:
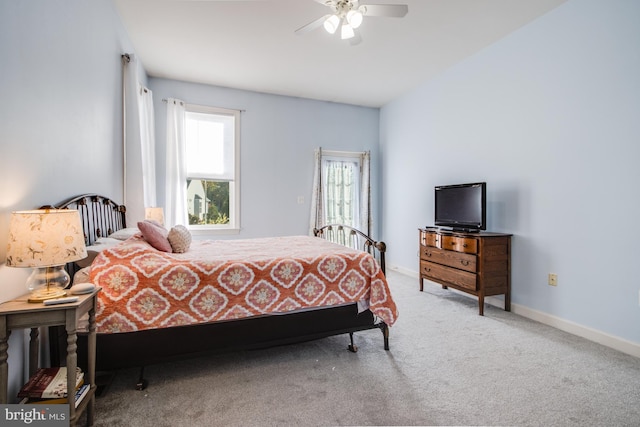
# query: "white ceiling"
{"points": [[250, 44]]}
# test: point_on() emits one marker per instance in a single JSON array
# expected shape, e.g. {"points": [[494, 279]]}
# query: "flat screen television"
{"points": [[462, 206]]}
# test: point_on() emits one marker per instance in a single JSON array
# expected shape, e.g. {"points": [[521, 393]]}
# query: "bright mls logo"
{"points": [[34, 415]]}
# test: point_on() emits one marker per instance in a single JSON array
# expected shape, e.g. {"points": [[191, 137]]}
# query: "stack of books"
{"points": [[49, 385]]}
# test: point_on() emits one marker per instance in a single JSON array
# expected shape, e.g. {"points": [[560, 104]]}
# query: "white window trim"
{"points": [[349, 154], [234, 193]]}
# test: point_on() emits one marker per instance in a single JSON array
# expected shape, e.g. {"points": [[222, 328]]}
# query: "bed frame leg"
{"points": [[385, 334], [352, 347], [142, 383]]}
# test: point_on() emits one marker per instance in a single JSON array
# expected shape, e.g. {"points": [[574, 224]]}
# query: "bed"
{"points": [[242, 294]]}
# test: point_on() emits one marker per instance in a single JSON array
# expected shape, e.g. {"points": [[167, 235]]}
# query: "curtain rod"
{"points": [[165, 100]]}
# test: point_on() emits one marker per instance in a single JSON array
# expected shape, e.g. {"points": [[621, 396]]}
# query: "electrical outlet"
{"points": [[553, 279]]}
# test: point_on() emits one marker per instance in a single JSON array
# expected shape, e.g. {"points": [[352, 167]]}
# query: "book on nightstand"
{"points": [[49, 383], [80, 394]]}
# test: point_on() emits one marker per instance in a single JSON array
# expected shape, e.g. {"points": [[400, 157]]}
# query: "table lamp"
{"points": [[45, 239], [154, 214]]}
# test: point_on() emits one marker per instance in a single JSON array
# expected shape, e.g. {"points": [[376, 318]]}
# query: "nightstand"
{"points": [[19, 314]]}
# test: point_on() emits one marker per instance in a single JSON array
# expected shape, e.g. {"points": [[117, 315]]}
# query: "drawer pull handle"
{"points": [[428, 254], [464, 262], [464, 246]]}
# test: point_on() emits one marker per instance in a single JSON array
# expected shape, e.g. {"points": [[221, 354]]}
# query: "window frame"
{"points": [[233, 227]]}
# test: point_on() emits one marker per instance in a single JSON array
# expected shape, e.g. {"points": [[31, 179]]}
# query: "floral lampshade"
{"points": [[45, 239]]}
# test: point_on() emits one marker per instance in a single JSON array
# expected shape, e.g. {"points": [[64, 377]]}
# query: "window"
{"points": [[212, 147], [341, 192]]}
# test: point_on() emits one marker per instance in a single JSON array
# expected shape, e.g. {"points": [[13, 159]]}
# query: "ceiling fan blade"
{"points": [[312, 25], [390, 10], [219, 1]]}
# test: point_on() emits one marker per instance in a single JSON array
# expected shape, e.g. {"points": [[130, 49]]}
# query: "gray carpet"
{"points": [[446, 366]]}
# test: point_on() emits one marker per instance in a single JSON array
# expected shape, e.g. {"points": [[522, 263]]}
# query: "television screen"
{"points": [[461, 206]]}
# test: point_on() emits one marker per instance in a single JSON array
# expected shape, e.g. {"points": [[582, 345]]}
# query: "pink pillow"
{"points": [[155, 235]]}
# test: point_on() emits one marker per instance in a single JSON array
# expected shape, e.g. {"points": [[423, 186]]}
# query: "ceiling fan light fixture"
{"points": [[331, 24], [354, 18], [348, 16], [347, 32]]}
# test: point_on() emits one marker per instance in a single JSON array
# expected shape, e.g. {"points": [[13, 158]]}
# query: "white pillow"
{"points": [[81, 276], [98, 246], [106, 241], [179, 238], [125, 233]]}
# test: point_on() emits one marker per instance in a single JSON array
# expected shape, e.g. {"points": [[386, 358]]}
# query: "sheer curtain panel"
{"points": [[365, 194], [341, 182], [341, 190], [317, 213], [147, 145], [139, 171], [176, 185]]}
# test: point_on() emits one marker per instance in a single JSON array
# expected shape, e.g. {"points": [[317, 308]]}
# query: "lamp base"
{"points": [[47, 283], [45, 294]]}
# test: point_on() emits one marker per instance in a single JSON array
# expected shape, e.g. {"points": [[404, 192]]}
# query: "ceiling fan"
{"points": [[348, 15]]}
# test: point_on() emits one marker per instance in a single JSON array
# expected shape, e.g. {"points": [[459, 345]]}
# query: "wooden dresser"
{"points": [[475, 263]]}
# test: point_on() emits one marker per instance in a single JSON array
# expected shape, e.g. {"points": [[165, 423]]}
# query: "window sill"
{"points": [[206, 232]]}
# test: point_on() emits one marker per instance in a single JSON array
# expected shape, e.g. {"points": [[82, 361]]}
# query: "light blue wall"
{"points": [[60, 116], [278, 135], [550, 118], [61, 127]]}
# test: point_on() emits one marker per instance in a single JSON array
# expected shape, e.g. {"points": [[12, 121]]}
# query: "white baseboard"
{"points": [[594, 335], [617, 343], [404, 271]]}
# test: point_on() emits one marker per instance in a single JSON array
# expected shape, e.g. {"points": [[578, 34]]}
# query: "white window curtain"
{"points": [[365, 194], [341, 190], [341, 187], [176, 185], [317, 207], [139, 171], [148, 146]]}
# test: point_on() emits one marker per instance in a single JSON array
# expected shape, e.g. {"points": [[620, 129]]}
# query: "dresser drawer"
{"points": [[458, 260], [466, 245], [447, 275], [430, 239]]}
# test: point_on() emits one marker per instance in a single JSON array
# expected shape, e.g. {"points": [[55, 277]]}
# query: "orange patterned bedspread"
{"points": [[143, 288]]}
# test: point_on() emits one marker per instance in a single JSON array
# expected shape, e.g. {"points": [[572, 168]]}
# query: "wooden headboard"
{"points": [[100, 215]]}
